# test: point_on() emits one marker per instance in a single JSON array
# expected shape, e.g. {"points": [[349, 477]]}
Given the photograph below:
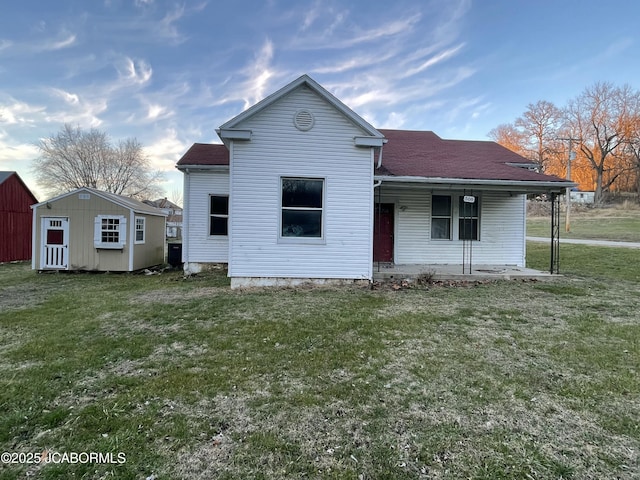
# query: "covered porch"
{"points": [[483, 239]]}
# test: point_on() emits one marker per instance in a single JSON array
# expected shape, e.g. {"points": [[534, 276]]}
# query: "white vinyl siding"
{"points": [[279, 150], [202, 247], [501, 228]]}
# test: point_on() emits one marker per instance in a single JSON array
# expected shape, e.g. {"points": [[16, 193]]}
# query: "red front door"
{"points": [[383, 233]]}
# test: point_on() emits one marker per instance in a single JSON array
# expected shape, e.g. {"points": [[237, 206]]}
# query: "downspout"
{"points": [[376, 185], [185, 217], [34, 242], [376, 234], [380, 157]]}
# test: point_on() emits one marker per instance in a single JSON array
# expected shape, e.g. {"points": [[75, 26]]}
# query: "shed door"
{"points": [[55, 243]]}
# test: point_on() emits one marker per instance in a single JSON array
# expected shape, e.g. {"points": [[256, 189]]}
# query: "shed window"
{"points": [[110, 231], [302, 207], [219, 215], [55, 237], [140, 229]]}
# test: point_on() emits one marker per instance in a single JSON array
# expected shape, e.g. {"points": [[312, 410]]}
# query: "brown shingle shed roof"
{"points": [[424, 154], [205, 154]]}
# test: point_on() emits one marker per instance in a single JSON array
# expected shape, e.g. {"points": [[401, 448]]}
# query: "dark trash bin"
{"points": [[175, 254]]}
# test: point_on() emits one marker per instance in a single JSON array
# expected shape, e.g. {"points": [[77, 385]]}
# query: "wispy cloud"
{"points": [[16, 156], [258, 75], [166, 149], [359, 60], [60, 41], [167, 24], [133, 72], [15, 112], [434, 60], [448, 25], [5, 44], [58, 44], [70, 98], [86, 112], [312, 14], [350, 35]]}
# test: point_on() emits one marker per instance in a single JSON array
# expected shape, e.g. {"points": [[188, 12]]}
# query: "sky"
{"points": [[170, 72]]}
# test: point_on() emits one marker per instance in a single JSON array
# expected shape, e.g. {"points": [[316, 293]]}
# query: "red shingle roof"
{"points": [[425, 154], [410, 153], [205, 154]]}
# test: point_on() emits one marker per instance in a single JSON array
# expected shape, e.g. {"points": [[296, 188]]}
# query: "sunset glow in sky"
{"points": [[170, 72]]}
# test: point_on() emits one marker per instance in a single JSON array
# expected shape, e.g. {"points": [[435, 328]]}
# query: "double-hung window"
{"points": [[441, 217], [468, 218], [302, 207], [219, 215], [140, 224], [455, 217]]}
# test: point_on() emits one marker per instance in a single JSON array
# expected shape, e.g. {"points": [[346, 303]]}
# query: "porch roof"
{"points": [[424, 157]]}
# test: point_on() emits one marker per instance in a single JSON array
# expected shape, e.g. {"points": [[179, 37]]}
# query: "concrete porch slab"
{"points": [[390, 272]]}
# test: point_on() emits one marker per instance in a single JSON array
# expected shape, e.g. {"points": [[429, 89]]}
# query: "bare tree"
{"points": [[176, 196], [534, 134], [539, 126], [75, 158], [600, 117], [632, 148], [509, 137]]}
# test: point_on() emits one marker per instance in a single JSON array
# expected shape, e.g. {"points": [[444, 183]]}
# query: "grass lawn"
{"points": [[613, 223], [189, 379]]}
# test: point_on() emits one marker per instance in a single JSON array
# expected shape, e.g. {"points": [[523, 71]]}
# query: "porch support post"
{"points": [[555, 234]]}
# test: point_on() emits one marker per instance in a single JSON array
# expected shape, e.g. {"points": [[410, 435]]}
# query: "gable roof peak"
{"points": [[305, 80]]}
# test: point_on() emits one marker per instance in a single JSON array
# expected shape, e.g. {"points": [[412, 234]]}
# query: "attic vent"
{"points": [[303, 120], [84, 196]]}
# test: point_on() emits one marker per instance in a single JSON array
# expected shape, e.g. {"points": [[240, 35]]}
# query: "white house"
{"points": [[303, 188]]}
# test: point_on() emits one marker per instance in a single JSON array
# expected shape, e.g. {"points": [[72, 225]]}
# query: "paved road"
{"points": [[602, 243]]}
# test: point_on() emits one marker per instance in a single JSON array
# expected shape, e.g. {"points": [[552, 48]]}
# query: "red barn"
{"points": [[16, 218]]}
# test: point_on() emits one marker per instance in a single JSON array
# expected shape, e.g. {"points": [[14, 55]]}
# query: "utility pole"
{"points": [[570, 158]]}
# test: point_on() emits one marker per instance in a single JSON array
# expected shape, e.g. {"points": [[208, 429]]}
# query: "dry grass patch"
{"points": [[193, 380]]}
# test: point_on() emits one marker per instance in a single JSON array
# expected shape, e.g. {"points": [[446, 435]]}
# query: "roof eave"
{"points": [[104, 196], [196, 167], [524, 186]]}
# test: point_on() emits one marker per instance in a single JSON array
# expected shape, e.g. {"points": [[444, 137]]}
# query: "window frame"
{"points": [[450, 217], [212, 215], [98, 239], [322, 209], [137, 222], [475, 217], [456, 218]]}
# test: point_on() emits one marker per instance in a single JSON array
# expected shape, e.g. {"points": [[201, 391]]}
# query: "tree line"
{"points": [[601, 127]]}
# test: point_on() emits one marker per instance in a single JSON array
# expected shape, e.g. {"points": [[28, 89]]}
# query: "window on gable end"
{"points": [[302, 207]]}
